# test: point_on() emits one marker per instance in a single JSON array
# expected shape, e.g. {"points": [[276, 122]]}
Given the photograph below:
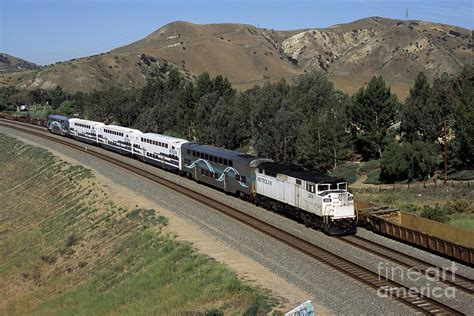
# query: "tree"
{"points": [[419, 117], [463, 119], [409, 161], [264, 129], [66, 108], [5, 94], [57, 96], [373, 111], [324, 138]]}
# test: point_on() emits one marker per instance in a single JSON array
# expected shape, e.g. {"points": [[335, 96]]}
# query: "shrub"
{"points": [[462, 175], [347, 171], [369, 166], [373, 177], [435, 213], [408, 161]]}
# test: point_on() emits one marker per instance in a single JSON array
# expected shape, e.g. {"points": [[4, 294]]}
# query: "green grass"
{"points": [[67, 249], [464, 221]]}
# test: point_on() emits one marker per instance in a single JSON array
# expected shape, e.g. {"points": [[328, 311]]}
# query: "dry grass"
{"points": [[66, 248]]}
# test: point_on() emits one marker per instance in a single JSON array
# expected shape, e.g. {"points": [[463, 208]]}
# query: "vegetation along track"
{"points": [[461, 282], [391, 288]]}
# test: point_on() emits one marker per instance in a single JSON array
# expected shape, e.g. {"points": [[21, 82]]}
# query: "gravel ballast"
{"points": [[339, 293]]}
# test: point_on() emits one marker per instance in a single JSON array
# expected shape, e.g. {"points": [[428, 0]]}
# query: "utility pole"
{"points": [[445, 153], [406, 14]]}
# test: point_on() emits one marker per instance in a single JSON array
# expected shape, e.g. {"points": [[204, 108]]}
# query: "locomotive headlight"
{"points": [[326, 200], [350, 198]]}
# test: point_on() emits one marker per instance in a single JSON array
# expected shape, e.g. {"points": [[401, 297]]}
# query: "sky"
{"points": [[47, 31]]}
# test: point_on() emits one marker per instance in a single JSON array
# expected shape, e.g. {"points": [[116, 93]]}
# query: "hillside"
{"points": [[98, 72], [350, 54], [68, 248], [9, 64], [396, 49], [240, 52]]}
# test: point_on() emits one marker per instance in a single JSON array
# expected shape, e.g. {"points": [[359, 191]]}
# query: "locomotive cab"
{"points": [[337, 208]]}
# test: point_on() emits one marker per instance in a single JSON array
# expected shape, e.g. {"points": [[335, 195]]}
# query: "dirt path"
{"points": [[247, 268]]}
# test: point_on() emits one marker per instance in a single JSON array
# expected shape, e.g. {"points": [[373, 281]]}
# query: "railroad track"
{"points": [[390, 288], [460, 282]]}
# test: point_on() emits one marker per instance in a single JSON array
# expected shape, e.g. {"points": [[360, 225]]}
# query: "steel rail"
{"points": [[389, 288], [461, 282]]}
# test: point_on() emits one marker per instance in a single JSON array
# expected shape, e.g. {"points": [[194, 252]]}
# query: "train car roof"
{"points": [[59, 117], [165, 138], [299, 172], [85, 121], [224, 153], [123, 129]]}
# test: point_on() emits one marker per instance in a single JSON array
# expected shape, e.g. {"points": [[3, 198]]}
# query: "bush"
{"points": [[373, 177], [347, 171], [462, 175], [369, 166], [435, 213], [408, 161]]}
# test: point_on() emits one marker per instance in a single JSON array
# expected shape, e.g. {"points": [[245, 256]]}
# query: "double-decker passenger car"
{"points": [[318, 200], [84, 130], [117, 138], [160, 150], [58, 124], [224, 169]]}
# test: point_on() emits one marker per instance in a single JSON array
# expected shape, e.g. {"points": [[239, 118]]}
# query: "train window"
{"points": [[225, 162], [231, 163], [237, 177], [215, 159], [220, 160], [342, 186], [323, 187], [298, 181], [206, 156], [260, 170], [333, 186], [202, 171], [188, 151], [166, 145], [243, 179], [310, 188], [194, 153], [271, 174]]}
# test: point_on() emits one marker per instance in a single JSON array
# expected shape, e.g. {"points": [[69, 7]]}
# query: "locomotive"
{"points": [[317, 200]]}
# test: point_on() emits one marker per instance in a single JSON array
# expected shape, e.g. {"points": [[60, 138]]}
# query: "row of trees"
{"points": [[309, 122]]}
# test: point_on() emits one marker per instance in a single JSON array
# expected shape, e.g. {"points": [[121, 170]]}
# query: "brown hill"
{"points": [[9, 64], [240, 52], [349, 53], [396, 49], [96, 72]]}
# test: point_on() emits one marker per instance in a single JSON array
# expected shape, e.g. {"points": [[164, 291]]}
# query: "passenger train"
{"points": [[312, 198]]}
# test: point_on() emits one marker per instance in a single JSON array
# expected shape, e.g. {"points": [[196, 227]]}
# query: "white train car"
{"points": [[117, 138], [160, 150], [84, 130], [316, 199]]}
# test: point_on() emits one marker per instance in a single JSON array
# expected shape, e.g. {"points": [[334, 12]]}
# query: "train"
{"points": [[314, 199]]}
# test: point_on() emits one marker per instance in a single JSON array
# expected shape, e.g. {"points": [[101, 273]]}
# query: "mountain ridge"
{"points": [[349, 53]]}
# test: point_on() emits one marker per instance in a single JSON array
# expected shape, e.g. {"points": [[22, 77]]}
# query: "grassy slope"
{"points": [[66, 248]]}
